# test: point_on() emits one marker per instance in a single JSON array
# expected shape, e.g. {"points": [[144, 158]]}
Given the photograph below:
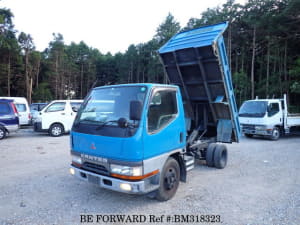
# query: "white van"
{"points": [[23, 109], [57, 117]]}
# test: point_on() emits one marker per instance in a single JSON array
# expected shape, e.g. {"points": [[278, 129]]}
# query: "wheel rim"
{"points": [[275, 133], [1, 133], [170, 179], [56, 131]]}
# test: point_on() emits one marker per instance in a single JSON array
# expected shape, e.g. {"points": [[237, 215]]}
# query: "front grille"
{"points": [[99, 169], [248, 127]]}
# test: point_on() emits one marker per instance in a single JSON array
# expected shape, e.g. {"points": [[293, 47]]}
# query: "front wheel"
{"points": [[56, 130], [169, 180], [275, 134], [2, 133]]}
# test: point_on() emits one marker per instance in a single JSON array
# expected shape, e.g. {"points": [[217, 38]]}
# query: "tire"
{"points": [[220, 156], [169, 180], [275, 134], [2, 133], [209, 157], [56, 130], [249, 135]]}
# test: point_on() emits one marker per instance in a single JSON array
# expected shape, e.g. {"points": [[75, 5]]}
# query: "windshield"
{"points": [[253, 109], [108, 105]]}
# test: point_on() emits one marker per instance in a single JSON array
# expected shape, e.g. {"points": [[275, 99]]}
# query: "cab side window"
{"points": [[162, 110], [56, 107], [273, 109]]}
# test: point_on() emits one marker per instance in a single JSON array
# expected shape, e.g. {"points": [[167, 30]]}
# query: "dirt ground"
{"points": [[260, 185]]}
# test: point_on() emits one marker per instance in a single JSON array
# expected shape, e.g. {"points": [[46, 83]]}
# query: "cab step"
{"points": [[189, 162]]}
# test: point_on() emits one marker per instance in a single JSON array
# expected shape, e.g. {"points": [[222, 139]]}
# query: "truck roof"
{"points": [[149, 85]]}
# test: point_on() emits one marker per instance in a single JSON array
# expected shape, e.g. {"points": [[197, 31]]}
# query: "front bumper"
{"points": [[251, 129], [137, 187], [12, 128], [37, 127]]}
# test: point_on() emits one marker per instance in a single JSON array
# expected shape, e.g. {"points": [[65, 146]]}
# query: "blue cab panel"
{"points": [[109, 141], [196, 61]]}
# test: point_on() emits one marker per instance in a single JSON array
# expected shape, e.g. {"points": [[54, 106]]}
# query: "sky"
{"points": [[108, 25]]}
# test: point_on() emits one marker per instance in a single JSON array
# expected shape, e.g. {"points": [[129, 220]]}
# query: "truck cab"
{"points": [[144, 138], [261, 117], [268, 118]]}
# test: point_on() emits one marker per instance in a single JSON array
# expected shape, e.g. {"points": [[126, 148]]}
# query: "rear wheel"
{"points": [[275, 134], [169, 180], [249, 135], [56, 130], [209, 157], [220, 156], [2, 133]]}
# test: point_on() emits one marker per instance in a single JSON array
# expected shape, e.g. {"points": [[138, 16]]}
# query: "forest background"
{"points": [[262, 40]]}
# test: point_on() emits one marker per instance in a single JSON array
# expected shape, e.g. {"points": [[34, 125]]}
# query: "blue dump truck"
{"points": [[143, 138]]}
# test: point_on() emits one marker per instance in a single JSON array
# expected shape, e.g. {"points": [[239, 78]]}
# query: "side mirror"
{"points": [[75, 109], [135, 110], [122, 122]]}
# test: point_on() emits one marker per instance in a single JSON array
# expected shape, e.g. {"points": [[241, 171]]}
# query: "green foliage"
{"points": [[42, 93], [295, 77], [69, 71], [167, 29]]}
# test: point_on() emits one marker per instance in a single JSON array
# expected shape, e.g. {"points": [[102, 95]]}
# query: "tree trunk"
{"points": [[37, 73], [27, 78], [8, 75], [81, 81], [268, 70], [252, 62], [229, 46], [286, 82], [56, 77]]}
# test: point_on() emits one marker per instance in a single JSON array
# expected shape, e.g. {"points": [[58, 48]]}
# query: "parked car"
{"points": [[23, 109], [35, 108], [57, 117], [9, 117]]}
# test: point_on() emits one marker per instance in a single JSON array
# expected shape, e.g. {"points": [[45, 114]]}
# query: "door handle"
{"points": [[181, 137]]}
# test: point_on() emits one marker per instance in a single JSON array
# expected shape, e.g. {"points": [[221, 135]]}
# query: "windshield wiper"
{"points": [[105, 123]]}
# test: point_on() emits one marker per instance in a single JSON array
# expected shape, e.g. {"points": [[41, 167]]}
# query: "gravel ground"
{"points": [[260, 185]]}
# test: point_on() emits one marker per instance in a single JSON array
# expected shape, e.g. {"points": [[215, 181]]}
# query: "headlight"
{"points": [[260, 127], [76, 159], [126, 170]]}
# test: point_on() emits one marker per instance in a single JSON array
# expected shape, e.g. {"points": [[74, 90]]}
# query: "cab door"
{"points": [[165, 125], [275, 114]]}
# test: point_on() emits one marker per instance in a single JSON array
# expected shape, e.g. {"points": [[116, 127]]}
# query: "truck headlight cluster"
{"points": [[126, 170], [76, 159]]}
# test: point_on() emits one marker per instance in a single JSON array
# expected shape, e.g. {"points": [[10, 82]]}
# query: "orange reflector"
{"points": [[76, 164], [124, 177]]}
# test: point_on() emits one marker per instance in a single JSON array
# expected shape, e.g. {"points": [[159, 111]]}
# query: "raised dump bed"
{"points": [[196, 61]]}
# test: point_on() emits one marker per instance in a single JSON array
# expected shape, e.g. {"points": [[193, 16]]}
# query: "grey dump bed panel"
{"points": [[196, 61]]}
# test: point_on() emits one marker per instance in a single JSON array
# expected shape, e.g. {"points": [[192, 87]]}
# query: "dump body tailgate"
{"points": [[196, 61]]}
